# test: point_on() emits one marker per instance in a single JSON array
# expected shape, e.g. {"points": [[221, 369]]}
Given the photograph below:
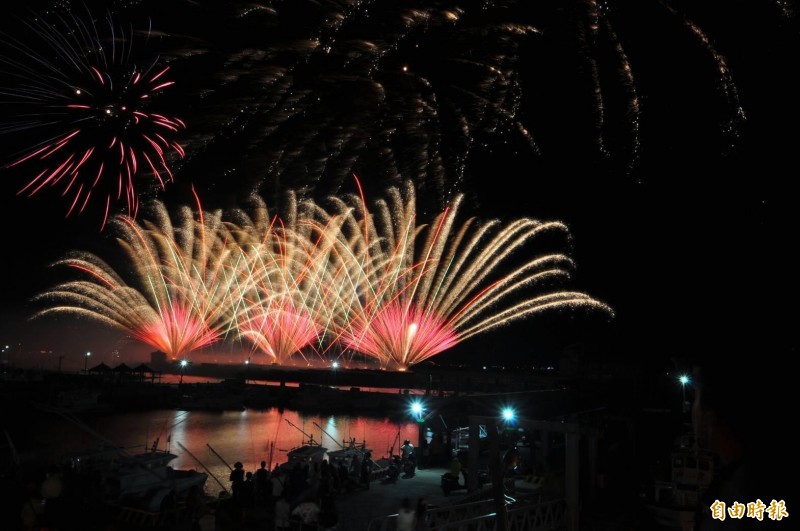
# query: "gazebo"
{"points": [[101, 369], [122, 371], [144, 371]]}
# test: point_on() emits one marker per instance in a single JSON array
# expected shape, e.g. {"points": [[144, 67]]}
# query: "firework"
{"points": [[415, 290], [372, 281], [182, 289], [284, 281], [307, 93], [88, 109]]}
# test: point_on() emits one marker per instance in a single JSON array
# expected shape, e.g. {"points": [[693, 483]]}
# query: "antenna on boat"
{"points": [[218, 456], [329, 435], [310, 437], [204, 466]]}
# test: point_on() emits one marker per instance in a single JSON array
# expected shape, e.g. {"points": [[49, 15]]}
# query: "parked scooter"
{"points": [[406, 466]]}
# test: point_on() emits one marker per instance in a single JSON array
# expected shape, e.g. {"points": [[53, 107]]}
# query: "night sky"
{"points": [[662, 133]]}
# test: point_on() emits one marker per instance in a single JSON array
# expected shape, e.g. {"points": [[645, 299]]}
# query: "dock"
{"points": [[358, 509], [375, 509]]}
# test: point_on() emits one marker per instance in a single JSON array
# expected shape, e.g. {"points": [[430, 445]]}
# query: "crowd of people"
{"points": [[302, 495]]}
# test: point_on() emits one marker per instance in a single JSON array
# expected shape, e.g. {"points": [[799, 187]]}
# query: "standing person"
{"points": [[237, 479], [409, 458], [739, 413], [247, 496], [406, 518], [407, 450], [262, 487]]}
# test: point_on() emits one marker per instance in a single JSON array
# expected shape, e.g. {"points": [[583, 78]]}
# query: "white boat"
{"points": [[308, 453], [348, 451], [351, 450], [139, 480]]}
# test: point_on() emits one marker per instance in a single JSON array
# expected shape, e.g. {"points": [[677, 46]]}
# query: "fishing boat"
{"points": [[140, 480], [349, 450], [307, 453]]}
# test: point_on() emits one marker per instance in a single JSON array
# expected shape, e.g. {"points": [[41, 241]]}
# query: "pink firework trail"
{"points": [[375, 282], [87, 108], [416, 290]]}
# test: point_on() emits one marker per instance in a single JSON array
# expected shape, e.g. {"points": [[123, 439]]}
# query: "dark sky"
{"points": [[677, 182]]}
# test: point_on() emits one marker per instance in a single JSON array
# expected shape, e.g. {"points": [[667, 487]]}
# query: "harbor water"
{"points": [[211, 441]]}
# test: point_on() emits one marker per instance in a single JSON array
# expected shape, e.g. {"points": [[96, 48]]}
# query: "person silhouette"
{"points": [[237, 479], [262, 487]]}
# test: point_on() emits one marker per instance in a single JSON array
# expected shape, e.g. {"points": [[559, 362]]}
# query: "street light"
{"points": [[417, 409], [86, 362], [683, 379], [183, 365]]}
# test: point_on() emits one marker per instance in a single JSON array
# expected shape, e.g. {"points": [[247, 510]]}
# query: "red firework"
{"points": [[85, 109]]}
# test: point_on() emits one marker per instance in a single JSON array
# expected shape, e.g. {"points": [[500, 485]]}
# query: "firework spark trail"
{"points": [[183, 291], [284, 307], [725, 77], [301, 94], [319, 99], [317, 91], [374, 281], [420, 289], [85, 105]]}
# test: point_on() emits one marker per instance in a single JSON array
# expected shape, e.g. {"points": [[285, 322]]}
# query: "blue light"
{"points": [[417, 410], [684, 379], [508, 414]]}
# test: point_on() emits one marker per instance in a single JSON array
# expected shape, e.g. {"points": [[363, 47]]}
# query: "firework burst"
{"points": [[312, 92], [303, 94], [372, 281], [285, 279], [182, 289], [416, 290], [87, 109]]}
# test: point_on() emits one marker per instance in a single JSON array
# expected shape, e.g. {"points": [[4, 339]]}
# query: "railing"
{"points": [[480, 516]]}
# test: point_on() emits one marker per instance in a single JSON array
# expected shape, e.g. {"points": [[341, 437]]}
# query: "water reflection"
{"points": [[215, 440]]}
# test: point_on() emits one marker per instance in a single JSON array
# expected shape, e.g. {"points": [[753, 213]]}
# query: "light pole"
{"points": [[246, 369], [183, 365], [683, 379], [86, 363]]}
